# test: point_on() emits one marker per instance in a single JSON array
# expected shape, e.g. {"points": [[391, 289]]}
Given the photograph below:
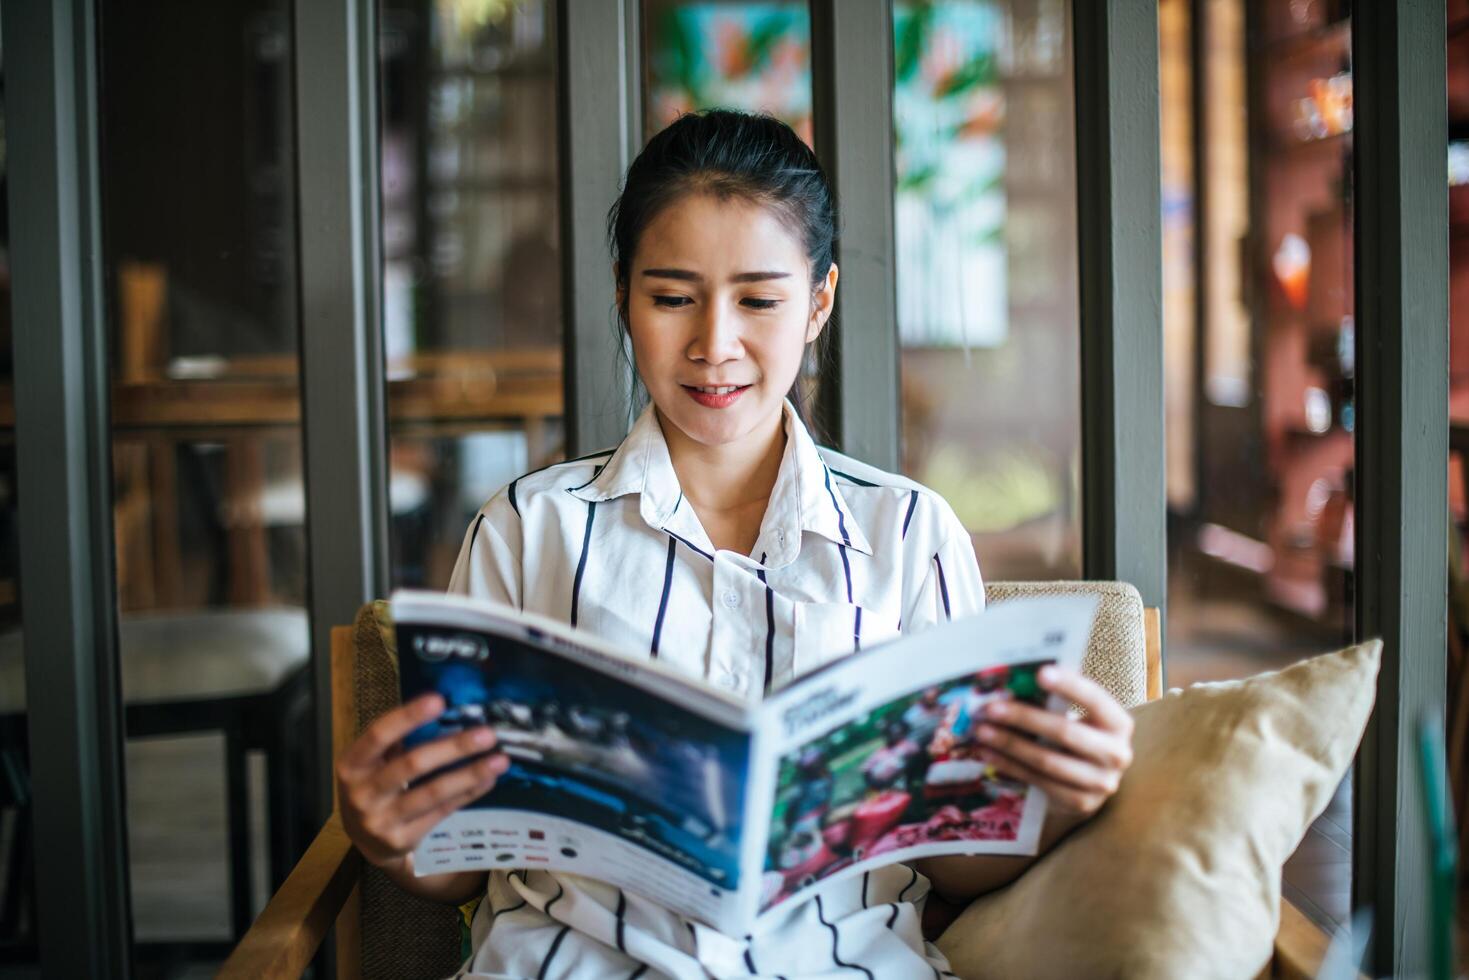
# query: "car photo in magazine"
{"points": [[626, 771]]}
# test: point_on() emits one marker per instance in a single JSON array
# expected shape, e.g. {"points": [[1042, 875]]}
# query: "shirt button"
{"points": [[780, 537], [731, 598]]}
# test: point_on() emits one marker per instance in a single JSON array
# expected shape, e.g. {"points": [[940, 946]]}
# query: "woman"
{"points": [[719, 539]]}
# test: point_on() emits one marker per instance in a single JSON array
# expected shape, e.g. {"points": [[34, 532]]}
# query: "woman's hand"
{"points": [[383, 816], [1082, 761]]}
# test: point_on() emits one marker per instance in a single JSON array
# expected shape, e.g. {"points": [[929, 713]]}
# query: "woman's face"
{"points": [[720, 309]]}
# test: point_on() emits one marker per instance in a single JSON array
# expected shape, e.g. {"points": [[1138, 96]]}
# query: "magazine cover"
{"points": [[607, 778], [624, 771]]}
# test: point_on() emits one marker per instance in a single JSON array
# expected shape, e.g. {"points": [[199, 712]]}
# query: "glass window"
{"points": [[472, 321], [17, 862], [1259, 357], [752, 56], [985, 214], [197, 157]]}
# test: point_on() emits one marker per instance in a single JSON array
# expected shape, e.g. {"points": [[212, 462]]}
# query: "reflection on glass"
{"points": [[1260, 550], [751, 56], [1270, 526], [471, 264], [17, 862], [1457, 717], [209, 519], [985, 220], [1179, 293]]}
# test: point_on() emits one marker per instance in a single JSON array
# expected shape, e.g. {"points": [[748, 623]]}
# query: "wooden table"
{"points": [[245, 402], [467, 386]]}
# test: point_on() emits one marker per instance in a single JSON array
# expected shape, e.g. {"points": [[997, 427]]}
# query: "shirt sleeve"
{"points": [[952, 588], [489, 564]]}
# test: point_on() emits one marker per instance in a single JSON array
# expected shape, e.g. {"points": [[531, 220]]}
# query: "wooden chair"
{"points": [[380, 931]]}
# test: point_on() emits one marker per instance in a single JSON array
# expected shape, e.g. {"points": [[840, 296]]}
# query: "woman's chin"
{"points": [[716, 426]]}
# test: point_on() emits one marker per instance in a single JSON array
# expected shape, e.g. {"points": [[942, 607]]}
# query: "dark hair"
{"points": [[728, 154]]}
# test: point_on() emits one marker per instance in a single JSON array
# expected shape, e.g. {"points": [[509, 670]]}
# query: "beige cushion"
{"points": [[1179, 875]]}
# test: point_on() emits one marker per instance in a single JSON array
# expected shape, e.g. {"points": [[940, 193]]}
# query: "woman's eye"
{"points": [[761, 304], [672, 302]]}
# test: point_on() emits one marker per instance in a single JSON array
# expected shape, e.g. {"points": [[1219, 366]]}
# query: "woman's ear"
{"points": [[822, 302]]}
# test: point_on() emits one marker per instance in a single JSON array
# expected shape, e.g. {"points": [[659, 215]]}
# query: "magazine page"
{"points": [[618, 771], [872, 760]]}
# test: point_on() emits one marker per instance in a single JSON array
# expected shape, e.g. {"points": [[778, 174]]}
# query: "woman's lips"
{"points": [[706, 394]]}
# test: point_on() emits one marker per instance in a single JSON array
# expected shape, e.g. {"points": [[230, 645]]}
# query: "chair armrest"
{"points": [[295, 922], [1300, 946]]}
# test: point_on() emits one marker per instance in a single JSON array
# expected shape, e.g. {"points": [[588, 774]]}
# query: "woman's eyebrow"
{"points": [[691, 276]]}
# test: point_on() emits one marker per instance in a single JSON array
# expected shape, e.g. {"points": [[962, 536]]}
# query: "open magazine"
{"points": [[629, 772]]}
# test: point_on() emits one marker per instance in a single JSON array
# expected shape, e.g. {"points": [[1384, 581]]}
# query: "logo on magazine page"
{"points": [[435, 647]]}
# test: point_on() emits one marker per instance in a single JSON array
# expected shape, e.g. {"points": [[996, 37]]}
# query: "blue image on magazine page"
{"points": [[588, 747]]}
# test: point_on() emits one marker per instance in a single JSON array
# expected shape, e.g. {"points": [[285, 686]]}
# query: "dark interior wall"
{"points": [[196, 165]]}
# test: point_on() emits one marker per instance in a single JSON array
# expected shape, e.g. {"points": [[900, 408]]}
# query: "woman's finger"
{"points": [[437, 792], [426, 758], [1102, 708], [365, 755], [413, 831], [1104, 747], [1059, 794], [1049, 762]]}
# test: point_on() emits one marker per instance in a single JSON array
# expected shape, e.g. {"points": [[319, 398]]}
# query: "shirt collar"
{"points": [[805, 497]]}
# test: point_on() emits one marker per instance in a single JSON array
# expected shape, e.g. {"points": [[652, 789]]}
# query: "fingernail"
{"points": [[1047, 674], [484, 736], [998, 710], [985, 732]]}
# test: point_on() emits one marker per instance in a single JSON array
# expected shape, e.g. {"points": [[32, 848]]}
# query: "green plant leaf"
{"points": [[910, 40]]}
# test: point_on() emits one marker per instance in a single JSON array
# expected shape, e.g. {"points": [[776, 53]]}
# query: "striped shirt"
{"points": [[847, 556]]}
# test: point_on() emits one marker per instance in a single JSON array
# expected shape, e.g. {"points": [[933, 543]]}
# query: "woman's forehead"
{"points": [[720, 235]]}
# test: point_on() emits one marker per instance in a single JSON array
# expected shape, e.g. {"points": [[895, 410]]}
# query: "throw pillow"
{"points": [[1179, 874]]}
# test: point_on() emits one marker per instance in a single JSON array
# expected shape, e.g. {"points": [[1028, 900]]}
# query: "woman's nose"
{"points": [[717, 338]]}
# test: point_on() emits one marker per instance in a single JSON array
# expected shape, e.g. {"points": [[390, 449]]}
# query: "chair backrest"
{"points": [[1121, 655], [400, 936]]}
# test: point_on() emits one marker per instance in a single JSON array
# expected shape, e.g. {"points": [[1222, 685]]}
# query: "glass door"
{"points": [[1259, 354], [472, 319], [197, 139]]}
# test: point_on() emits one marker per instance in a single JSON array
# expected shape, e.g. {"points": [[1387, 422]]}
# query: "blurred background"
{"points": [[198, 156]]}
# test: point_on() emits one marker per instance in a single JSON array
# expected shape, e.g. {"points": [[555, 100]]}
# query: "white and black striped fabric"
{"points": [[847, 556]]}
